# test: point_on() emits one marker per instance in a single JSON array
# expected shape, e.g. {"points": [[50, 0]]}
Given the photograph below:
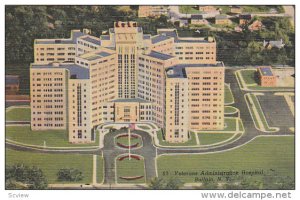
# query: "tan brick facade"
{"points": [[124, 77]]}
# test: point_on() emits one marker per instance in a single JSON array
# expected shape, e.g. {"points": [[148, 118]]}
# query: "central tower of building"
{"points": [[128, 41]]}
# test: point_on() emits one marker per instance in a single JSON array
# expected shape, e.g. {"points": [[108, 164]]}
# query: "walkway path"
{"points": [[94, 169]]}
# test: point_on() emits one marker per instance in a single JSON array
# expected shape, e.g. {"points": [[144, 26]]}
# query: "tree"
{"points": [[208, 185], [161, 184], [173, 184], [70, 174], [157, 184], [20, 176], [186, 9]]}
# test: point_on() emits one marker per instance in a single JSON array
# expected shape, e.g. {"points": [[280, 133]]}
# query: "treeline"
{"points": [[246, 48], [26, 23], [20, 176], [23, 24]]}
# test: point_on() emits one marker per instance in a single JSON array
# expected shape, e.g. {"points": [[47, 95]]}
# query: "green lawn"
{"points": [[100, 168], [260, 112], [265, 153], [188, 10], [18, 114], [261, 9], [249, 76], [212, 138], [228, 95], [53, 138], [144, 127], [130, 168], [51, 163], [124, 141], [225, 9], [191, 142], [230, 109], [231, 124]]}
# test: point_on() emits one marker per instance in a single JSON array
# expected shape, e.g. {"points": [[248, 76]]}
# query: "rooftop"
{"points": [[159, 38], [266, 71], [221, 16], [160, 56], [91, 39], [74, 35], [189, 40], [131, 100], [196, 16], [11, 79], [275, 43], [105, 37], [245, 16], [178, 71], [168, 32], [76, 71], [146, 37], [95, 55], [235, 6]]}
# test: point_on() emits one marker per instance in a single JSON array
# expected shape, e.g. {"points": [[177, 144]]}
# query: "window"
{"points": [[79, 134]]}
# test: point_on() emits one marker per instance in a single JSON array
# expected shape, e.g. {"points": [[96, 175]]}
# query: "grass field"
{"points": [[191, 142], [18, 114], [230, 110], [130, 168], [261, 9], [228, 95], [51, 163], [124, 141], [53, 138], [212, 138], [249, 76], [144, 127], [264, 153], [231, 124], [188, 10], [225, 9]]}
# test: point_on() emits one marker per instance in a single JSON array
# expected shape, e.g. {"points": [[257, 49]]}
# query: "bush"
{"points": [[71, 174], [21, 176]]}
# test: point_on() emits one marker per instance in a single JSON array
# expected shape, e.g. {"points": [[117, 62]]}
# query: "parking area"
{"points": [[276, 110]]}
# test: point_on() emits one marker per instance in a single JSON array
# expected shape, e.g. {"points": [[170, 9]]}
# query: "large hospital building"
{"points": [[126, 76]]}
